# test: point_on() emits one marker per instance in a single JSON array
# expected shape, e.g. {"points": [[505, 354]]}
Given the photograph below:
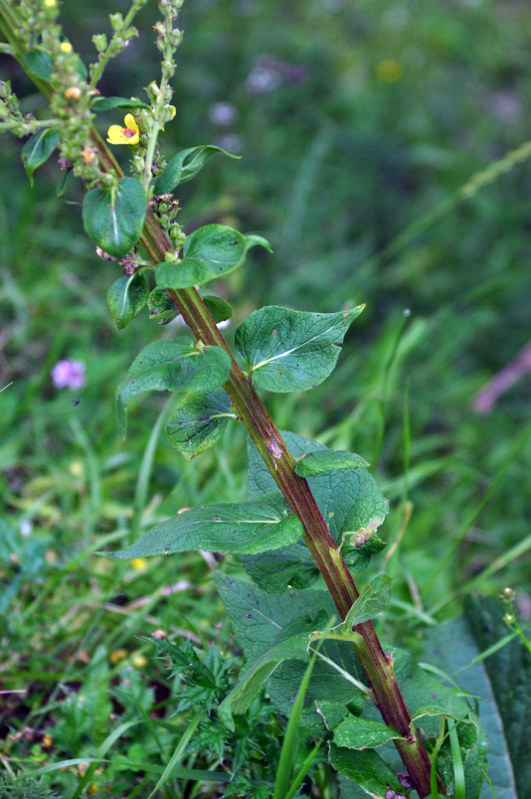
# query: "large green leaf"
{"points": [[252, 526], [261, 620], [327, 460], [114, 218], [38, 149], [503, 683], [209, 252], [197, 422], [367, 770], [127, 296], [174, 366], [184, 166], [286, 350], [349, 499]]}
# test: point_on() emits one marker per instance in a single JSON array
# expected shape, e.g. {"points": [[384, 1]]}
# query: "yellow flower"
{"points": [[126, 135], [118, 655], [389, 70], [138, 563], [65, 47], [173, 111]]}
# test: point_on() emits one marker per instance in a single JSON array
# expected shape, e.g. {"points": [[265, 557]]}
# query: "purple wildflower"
{"points": [[69, 374]]}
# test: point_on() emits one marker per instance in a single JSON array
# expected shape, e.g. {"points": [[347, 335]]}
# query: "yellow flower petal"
{"points": [[173, 111], [126, 135]]}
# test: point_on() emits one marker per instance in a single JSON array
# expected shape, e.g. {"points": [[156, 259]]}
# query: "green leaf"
{"points": [[255, 674], [275, 571], [39, 62], [509, 673], [108, 103], [127, 296], [209, 252], [349, 499], [371, 601], [367, 769], [161, 306], [288, 350], [361, 733], [184, 166], [198, 421], [326, 460], [114, 218], [261, 620], [38, 149], [252, 526], [174, 366], [219, 308], [502, 680]]}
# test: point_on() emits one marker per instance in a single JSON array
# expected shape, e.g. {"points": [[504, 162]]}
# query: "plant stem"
{"points": [[377, 664]]}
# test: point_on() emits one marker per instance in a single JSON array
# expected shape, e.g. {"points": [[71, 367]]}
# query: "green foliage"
{"points": [[38, 149], [372, 600], [114, 217], [348, 499], [197, 421], [25, 788], [184, 166], [109, 103], [326, 460], [289, 350], [333, 185], [175, 366], [127, 296], [220, 309], [258, 525], [209, 252]]}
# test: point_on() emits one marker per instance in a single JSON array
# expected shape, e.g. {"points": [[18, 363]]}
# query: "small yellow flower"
{"points": [[389, 70], [47, 741], [138, 563], [66, 47], [173, 111], [50, 3], [118, 655], [127, 135], [139, 661]]}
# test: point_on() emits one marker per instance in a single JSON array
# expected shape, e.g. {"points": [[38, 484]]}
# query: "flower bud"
{"points": [[72, 93]]}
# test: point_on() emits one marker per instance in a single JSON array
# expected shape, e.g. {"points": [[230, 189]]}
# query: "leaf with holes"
{"points": [[209, 252], [288, 350], [173, 366], [114, 217]]}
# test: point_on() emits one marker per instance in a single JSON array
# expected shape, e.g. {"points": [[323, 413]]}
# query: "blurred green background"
{"points": [[357, 124]]}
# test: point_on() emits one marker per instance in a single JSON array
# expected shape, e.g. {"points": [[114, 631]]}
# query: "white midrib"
{"points": [[288, 352]]}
